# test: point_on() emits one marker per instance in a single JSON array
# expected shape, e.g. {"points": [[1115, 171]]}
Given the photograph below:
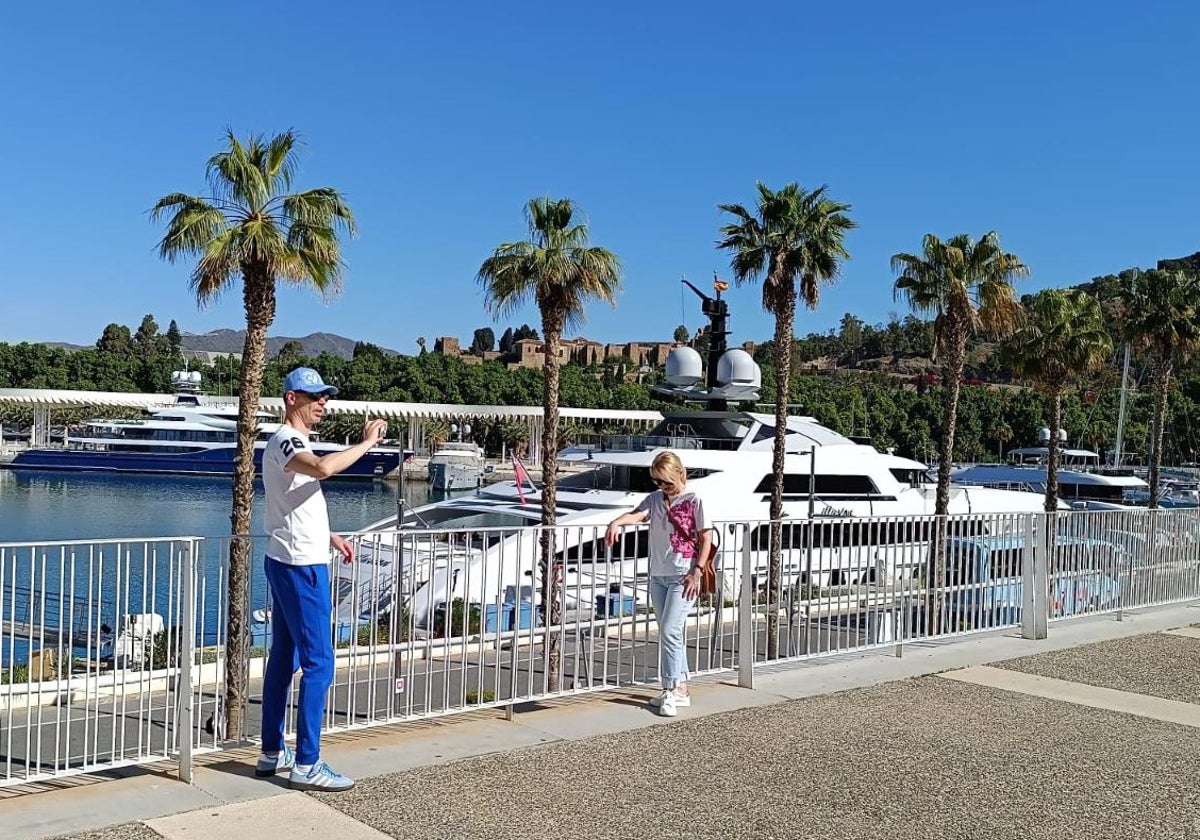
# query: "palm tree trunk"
{"points": [[1053, 449], [1161, 384], [259, 299], [551, 584], [957, 342], [784, 318]]}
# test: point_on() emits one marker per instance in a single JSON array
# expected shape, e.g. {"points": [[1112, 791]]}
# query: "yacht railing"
{"points": [[115, 652], [649, 443]]}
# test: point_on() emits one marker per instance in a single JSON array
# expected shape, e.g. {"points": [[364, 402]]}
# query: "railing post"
{"points": [[747, 651], [185, 723], [1035, 578]]}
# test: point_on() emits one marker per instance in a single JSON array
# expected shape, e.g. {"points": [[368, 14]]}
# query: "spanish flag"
{"points": [[720, 285]]}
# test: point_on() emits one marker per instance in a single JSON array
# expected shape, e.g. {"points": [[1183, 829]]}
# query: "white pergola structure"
{"points": [[414, 415]]}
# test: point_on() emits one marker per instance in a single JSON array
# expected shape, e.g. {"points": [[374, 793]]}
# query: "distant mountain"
{"points": [[231, 341]]}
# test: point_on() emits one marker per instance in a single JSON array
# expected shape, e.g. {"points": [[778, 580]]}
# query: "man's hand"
{"points": [[343, 547], [373, 431]]}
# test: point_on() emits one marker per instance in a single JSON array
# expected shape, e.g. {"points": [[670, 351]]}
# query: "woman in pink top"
{"points": [[679, 535]]}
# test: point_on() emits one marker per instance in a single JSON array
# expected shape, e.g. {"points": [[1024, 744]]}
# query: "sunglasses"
{"points": [[314, 397], [663, 482]]}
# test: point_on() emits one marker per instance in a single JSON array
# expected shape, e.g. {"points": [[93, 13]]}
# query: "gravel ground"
{"points": [[1158, 665], [927, 758], [128, 831]]}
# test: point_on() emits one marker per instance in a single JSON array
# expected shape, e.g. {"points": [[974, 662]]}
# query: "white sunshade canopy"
{"points": [[50, 398]]}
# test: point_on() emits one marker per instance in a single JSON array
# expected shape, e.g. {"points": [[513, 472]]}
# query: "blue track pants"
{"points": [[301, 607]]}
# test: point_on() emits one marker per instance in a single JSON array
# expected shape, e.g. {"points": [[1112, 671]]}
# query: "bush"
{"points": [[460, 614], [476, 697], [381, 632], [18, 675], [166, 651]]}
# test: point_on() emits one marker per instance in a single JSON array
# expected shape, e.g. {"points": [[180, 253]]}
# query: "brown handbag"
{"points": [[706, 564]]}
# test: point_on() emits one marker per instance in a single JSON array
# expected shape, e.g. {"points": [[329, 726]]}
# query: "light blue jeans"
{"points": [[670, 610]]}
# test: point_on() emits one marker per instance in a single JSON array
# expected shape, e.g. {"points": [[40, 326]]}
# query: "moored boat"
{"points": [[197, 435]]}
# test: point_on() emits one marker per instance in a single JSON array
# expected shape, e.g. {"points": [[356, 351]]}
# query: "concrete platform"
{"points": [[866, 746]]}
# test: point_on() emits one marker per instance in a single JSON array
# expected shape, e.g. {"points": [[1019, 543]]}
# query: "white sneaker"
{"points": [[319, 777], [667, 707], [681, 700]]}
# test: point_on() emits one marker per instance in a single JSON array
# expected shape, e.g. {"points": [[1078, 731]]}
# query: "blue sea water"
{"points": [[136, 576]]}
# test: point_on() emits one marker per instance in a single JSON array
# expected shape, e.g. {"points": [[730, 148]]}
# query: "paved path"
{"points": [[1093, 733]]}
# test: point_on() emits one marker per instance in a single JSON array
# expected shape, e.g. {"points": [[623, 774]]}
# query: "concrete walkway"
{"points": [[1093, 733]]}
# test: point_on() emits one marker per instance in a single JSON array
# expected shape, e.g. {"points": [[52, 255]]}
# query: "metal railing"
{"points": [[94, 636], [90, 643]]}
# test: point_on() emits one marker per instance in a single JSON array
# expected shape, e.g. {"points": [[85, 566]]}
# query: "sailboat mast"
{"points": [[1117, 455]]}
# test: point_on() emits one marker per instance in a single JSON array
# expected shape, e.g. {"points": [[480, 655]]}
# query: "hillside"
{"points": [[314, 344], [231, 341]]}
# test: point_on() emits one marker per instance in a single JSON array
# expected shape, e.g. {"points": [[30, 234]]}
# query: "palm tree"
{"points": [[793, 235], [558, 270], [251, 226], [1160, 314], [1062, 337], [967, 287], [1002, 433]]}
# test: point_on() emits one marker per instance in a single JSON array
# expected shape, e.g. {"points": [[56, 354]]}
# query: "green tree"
{"points": [[682, 334], [290, 354], [1061, 338], [250, 225], [146, 339], [561, 272], [115, 339], [1160, 315], [1002, 433], [484, 341], [174, 339], [967, 287], [793, 236], [506, 341]]}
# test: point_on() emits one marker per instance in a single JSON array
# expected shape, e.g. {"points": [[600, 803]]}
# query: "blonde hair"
{"points": [[666, 466]]}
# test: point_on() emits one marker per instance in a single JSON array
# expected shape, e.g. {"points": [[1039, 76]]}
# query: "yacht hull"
{"points": [[218, 461]]}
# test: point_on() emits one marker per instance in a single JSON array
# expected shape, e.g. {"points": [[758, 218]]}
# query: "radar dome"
{"points": [[1044, 434], [684, 367], [737, 367], [194, 377]]}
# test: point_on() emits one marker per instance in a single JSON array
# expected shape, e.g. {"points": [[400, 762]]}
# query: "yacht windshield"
{"points": [[699, 431], [464, 517], [623, 478]]}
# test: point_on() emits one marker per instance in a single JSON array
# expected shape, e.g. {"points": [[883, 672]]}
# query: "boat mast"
{"points": [[717, 311], [1117, 455]]}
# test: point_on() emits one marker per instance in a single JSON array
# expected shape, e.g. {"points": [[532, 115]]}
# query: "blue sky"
{"points": [[1069, 127]]}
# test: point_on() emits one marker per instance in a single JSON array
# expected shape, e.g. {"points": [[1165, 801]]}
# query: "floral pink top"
{"points": [[670, 552]]}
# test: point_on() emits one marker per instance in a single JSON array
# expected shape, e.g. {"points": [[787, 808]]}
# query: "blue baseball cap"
{"points": [[309, 381]]}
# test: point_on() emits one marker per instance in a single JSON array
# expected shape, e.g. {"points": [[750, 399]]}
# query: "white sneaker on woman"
{"points": [[677, 698]]}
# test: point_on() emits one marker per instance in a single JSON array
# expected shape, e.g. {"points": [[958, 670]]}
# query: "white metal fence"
{"points": [[93, 636]]}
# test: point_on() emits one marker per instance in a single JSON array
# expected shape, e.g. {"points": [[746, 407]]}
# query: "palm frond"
{"points": [[796, 237], [194, 223], [555, 267], [251, 225]]}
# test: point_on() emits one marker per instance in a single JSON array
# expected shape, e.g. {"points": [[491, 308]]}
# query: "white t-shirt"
{"points": [[296, 517]]}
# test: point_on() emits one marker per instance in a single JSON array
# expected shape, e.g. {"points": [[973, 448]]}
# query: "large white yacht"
{"points": [[485, 547], [1082, 482], [195, 436]]}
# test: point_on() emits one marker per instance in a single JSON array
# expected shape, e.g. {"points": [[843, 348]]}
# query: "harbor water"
{"points": [[58, 507]]}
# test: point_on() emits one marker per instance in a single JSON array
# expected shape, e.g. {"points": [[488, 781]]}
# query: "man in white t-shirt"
{"points": [[297, 567]]}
